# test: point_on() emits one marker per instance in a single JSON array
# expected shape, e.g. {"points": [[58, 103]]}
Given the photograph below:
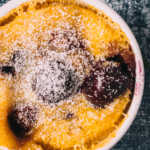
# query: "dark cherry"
{"points": [[22, 119], [127, 68], [55, 82], [65, 40], [8, 70], [106, 81]]}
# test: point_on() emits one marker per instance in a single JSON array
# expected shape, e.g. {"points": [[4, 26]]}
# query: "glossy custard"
{"points": [[38, 40]]}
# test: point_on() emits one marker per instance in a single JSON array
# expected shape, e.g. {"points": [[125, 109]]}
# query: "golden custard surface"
{"points": [[90, 127]]}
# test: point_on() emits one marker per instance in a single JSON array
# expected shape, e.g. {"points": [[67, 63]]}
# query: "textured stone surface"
{"points": [[2, 2], [137, 14]]}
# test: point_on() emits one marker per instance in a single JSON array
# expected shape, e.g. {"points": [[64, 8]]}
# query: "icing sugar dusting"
{"points": [[55, 72], [55, 79]]}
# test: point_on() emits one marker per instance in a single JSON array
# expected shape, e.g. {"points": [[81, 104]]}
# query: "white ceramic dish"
{"points": [[139, 85]]}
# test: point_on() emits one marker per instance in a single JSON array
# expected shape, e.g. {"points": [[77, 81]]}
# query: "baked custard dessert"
{"points": [[67, 75]]}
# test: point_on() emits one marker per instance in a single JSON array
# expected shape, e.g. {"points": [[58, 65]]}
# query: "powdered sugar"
{"points": [[55, 72], [55, 79]]}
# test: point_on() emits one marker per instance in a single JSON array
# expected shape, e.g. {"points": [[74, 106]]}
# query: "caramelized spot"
{"points": [[25, 8], [40, 5], [8, 19]]}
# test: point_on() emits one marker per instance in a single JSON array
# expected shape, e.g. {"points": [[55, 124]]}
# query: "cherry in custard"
{"points": [[106, 81], [22, 119], [55, 81]]}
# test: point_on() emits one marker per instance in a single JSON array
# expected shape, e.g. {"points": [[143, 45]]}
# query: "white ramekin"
{"points": [[139, 85]]}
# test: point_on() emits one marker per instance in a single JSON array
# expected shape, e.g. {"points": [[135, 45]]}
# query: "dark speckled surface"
{"points": [[137, 14]]}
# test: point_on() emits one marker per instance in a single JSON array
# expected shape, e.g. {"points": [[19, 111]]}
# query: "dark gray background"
{"points": [[137, 14]]}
